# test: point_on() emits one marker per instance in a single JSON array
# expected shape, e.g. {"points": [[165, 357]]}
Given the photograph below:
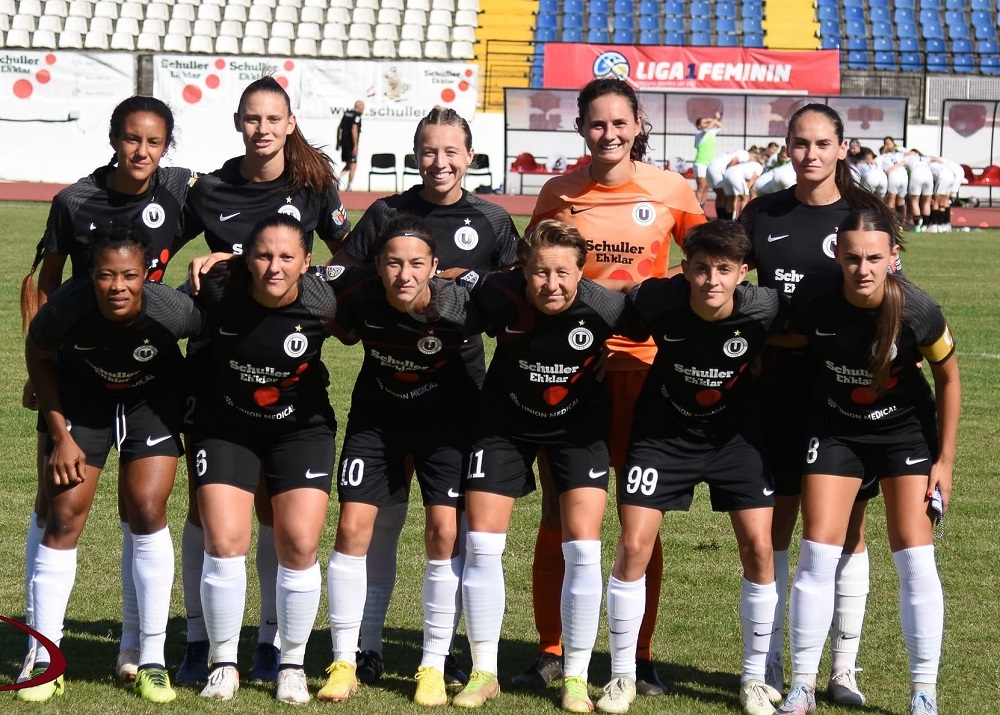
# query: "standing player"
{"points": [[793, 233], [874, 413], [628, 212], [348, 139], [102, 355], [697, 420], [133, 189], [469, 233], [412, 398], [704, 143], [280, 172], [263, 408]]}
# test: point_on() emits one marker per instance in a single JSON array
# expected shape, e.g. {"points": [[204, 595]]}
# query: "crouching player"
{"points": [[695, 421]]}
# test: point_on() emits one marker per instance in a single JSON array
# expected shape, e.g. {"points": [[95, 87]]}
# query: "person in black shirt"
{"points": [[263, 408], [873, 414], [348, 139], [102, 354]]}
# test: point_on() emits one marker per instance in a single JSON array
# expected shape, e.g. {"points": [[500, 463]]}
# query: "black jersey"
{"points": [[413, 368], [700, 379], [103, 359], [266, 370], [227, 207], [470, 233], [350, 119], [843, 339], [81, 207]]}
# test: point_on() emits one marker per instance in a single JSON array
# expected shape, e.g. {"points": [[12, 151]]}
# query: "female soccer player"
{"points": [[541, 389], [263, 407], [704, 143], [103, 358], [133, 188], [412, 398], [279, 172], [697, 420], [469, 233], [628, 212], [874, 414], [793, 233]]}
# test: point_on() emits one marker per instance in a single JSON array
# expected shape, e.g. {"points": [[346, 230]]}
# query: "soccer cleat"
{"points": [[153, 685], [482, 687], [264, 666], [27, 666], [543, 670], [774, 672], [619, 693], [920, 704], [647, 680], [453, 675], [194, 665], [843, 688], [800, 701], [370, 667], [292, 687], [341, 684], [45, 691], [223, 682], [574, 697], [757, 698], [127, 664], [431, 692]]}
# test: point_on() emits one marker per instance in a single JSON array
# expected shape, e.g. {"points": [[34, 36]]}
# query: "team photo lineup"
{"points": [[610, 370]]}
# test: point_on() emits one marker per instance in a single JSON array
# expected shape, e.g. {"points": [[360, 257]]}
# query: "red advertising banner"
{"points": [[695, 68]]}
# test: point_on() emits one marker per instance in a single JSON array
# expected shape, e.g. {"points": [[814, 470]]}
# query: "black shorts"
{"points": [[903, 453], [372, 464], [302, 458], [662, 471], [501, 464], [146, 426], [347, 153]]}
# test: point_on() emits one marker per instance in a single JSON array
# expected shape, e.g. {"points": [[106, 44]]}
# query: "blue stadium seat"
{"points": [[857, 43], [909, 4], [725, 25], [959, 32], [827, 12], [673, 24], [649, 7], [699, 8], [856, 28], [857, 60], [599, 7], [673, 8], [989, 65], [956, 5], [929, 17], [833, 3], [701, 24], [549, 6], [673, 38], [701, 39], [854, 3], [985, 32], [937, 63], [598, 37], [752, 26], [854, 14], [883, 44], [930, 4], [597, 21], [624, 22], [573, 21], [572, 34], [987, 47], [934, 45], [906, 29], [879, 14], [830, 42], [963, 64], [955, 17], [932, 32], [886, 61], [961, 47], [649, 22], [909, 44], [623, 36], [903, 14], [546, 19], [753, 39], [649, 37], [545, 34], [624, 7], [726, 40], [981, 5], [752, 11], [829, 27], [880, 4], [725, 9], [881, 29], [911, 62]]}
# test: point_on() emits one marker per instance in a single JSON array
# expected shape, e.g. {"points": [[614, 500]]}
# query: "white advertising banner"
{"points": [[55, 109]]}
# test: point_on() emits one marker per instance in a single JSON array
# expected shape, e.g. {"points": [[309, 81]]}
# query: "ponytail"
{"points": [[887, 327], [29, 291]]}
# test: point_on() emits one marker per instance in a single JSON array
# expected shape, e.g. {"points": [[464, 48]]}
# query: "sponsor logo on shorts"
{"points": [[225, 217], [453, 493], [296, 344], [310, 474], [768, 491], [644, 214], [910, 461], [595, 474], [153, 441], [92, 225], [580, 338], [466, 237], [153, 215]]}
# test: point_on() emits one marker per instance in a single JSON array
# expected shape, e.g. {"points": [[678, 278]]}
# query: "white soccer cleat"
{"points": [[223, 682]]}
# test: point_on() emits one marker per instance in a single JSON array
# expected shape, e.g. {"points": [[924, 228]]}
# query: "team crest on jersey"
{"points": [[580, 338], [892, 353], [145, 352], [296, 344], [332, 273], [153, 215], [429, 344], [339, 216], [290, 210], [828, 243], [735, 346], [466, 238], [643, 213]]}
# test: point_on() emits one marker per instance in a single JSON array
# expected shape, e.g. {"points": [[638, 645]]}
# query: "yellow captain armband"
{"points": [[941, 349]]}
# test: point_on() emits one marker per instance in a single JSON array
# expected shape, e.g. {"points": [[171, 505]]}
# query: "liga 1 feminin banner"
{"points": [[695, 68]]}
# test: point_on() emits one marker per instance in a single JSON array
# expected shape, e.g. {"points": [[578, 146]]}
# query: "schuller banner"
{"points": [[695, 68]]}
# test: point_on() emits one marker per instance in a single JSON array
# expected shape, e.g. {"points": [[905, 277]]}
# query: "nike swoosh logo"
{"points": [[226, 332], [82, 348], [596, 475], [761, 635], [911, 461], [772, 239], [673, 340], [821, 334], [153, 441], [574, 210], [226, 218], [768, 492], [375, 327], [453, 493], [315, 475], [507, 329], [93, 226]]}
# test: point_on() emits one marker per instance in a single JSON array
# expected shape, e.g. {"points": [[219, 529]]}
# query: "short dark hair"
{"points": [[116, 235], [406, 224], [718, 239], [279, 220]]}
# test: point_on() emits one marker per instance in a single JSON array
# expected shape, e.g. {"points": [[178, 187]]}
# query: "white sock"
{"points": [[851, 597], [921, 610], [224, 597], [346, 588], [580, 604], [35, 533], [484, 596], [382, 554], [626, 607], [192, 560], [267, 580], [757, 610], [153, 572], [811, 608], [298, 602], [776, 649], [442, 582], [55, 573], [130, 599]]}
